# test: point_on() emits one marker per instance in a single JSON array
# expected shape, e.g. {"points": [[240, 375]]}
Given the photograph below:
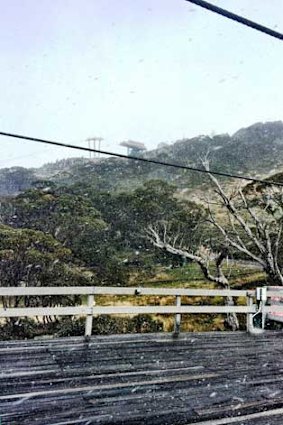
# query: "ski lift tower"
{"points": [[94, 143], [133, 148]]}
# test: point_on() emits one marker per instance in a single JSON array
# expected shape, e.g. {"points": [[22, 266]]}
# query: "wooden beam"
{"points": [[44, 311], [106, 290], [241, 420], [83, 310]]}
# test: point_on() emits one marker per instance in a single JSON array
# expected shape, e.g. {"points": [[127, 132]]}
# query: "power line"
{"points": [[136, 158], [237, 18]]}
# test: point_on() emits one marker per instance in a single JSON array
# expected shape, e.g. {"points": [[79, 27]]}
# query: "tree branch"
{"points": [[159, 242]]}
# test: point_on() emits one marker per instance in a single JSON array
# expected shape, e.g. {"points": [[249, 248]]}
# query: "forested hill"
{"points": [[256, 151], [90, 222]]}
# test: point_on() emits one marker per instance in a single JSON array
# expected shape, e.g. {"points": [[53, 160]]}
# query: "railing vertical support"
{"points": [[263, 301], [177, 325], [89, 317], [250, 324]]}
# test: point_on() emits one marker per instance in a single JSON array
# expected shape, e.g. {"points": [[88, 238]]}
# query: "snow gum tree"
{"points": [[249, 226]]}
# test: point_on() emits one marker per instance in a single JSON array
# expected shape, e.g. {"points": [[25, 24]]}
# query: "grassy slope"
{"points": [[190, 276]]}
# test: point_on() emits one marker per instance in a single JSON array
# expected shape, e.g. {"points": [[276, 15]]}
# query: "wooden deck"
{"points": [[208, 378]]}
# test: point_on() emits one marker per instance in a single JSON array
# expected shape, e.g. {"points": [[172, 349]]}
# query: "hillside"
{"points": [[256, 150], [90, 221]]}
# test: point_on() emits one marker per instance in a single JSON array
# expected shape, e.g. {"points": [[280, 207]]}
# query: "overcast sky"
{"points": [[147, 70]]}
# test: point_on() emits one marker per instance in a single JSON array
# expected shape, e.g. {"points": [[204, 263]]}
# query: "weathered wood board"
{"points": [[154, 379]]}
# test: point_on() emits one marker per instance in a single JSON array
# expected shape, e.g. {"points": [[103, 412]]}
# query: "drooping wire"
{"points": [[237, 18], [136, 158]]}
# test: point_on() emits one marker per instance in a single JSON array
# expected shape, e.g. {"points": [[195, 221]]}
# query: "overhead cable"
{"points": [[237, 18], [136, 158]]}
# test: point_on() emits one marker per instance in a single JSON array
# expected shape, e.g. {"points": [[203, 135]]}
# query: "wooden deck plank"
{"points": [[143, 379]]}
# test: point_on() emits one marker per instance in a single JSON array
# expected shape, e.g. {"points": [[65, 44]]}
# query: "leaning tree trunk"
{"points": [[232, 319]]}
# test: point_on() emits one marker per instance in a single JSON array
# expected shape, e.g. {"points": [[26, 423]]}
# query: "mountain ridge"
{"points": [[256, 151]]}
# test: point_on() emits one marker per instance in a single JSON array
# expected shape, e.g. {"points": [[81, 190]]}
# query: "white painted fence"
{"points": [[91, 309]]}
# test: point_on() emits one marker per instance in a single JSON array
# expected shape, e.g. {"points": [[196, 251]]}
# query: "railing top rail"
{"points": [[109, 290]]}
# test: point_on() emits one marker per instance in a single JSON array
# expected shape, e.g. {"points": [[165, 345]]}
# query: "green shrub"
{"points": [[68, 326], [107, 325], [19, 329]]}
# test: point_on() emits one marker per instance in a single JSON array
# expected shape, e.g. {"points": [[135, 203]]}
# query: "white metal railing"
{"points": [[92, 309], [270, 301]]}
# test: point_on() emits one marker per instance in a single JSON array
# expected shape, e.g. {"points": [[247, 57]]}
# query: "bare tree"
{"points": [[252, 228], [203, 257]]}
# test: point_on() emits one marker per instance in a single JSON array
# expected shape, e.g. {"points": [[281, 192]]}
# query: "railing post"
{"points": [[264, 301], [89, 317], [177, 317], [250, 324]]}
